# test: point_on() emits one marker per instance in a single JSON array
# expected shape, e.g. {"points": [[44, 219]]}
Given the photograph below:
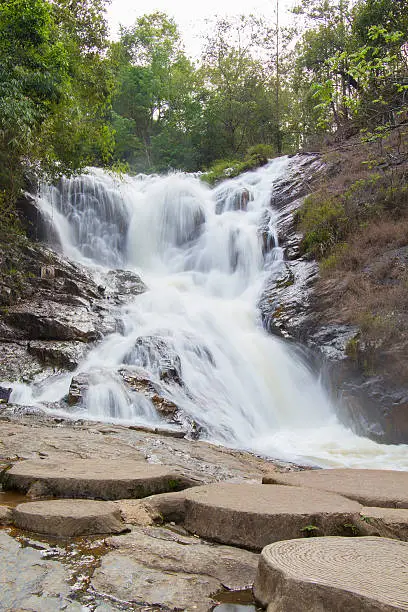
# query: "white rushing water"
{"points": [[200, 254]]}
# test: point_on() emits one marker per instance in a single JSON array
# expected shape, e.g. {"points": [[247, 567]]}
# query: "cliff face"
{"points": [[351, 304]]}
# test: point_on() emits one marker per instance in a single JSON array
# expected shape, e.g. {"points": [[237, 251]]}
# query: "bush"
{"points": [[323, 221], [224, 169]]}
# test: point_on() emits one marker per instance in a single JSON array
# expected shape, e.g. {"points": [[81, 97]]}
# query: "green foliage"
{"points": [[323, 222], [309, 531], [224, 169]]}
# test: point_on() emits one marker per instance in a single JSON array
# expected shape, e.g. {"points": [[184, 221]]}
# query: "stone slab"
{"points": [[161, 508], [31, 582], [157, 567], [386, 522], [365, 574], [381, 488], [5, 515], [93, 478], [252, 516], [69, 517]]}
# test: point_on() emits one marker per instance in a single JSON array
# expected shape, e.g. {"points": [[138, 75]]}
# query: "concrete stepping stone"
{"points": [[93, 478], [386, 522], [381, 488], [252, 516], [365, 574], [69, 517]]}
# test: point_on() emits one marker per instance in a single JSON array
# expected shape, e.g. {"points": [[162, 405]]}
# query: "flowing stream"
{"points": [[200, 253]]}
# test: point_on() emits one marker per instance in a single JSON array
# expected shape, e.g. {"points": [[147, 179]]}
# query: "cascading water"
{"points": [[201, 255]]}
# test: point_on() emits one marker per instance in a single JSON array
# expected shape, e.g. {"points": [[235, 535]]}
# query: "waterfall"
{"points": [[200, 252]]}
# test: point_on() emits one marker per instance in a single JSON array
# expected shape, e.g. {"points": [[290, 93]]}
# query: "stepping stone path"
{"points": [[69, 517], [92, 478], [334, 574], [381, 488], [252, 516], [387, 522]]}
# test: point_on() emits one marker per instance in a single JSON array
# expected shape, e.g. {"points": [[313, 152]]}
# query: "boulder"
{"points": [[69, 517], [93, 479], [158, 356], [252, 516], [159, 567], [333, 575], [382, 488], [50, 320], [65, 355]]}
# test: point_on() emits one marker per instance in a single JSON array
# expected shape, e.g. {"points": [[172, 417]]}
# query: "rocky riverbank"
{"points": [[195, 542]]}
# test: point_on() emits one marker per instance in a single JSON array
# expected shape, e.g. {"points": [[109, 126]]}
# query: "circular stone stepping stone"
{"points": [[69, 517], [92, 478], [326, 574], [382, 488], [251, 516]]}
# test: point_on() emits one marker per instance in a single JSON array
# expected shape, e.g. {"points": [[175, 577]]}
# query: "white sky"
{"points": [[191, 15]]}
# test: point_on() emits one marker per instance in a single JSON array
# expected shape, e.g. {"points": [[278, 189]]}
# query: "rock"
{"points": [[158, 356], [164, 507], [69, 517], [251, 516], [5, 393], [78, 388], [65, 355], [38, 225], [54, 321], [125, 283], [333, 574], [93, 478], [135, 379], [386, 522], [5, 515], [16, 363], [382, 488], [159, 567], [31, 582]]}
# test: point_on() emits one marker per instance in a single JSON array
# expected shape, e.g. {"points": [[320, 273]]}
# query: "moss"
{"points": [[173, 484]]}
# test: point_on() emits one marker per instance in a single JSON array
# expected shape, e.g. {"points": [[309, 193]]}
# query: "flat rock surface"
{"points": [[69, 517], [61, 440], [93, 478], [382, 488], [387, 522], [154, 565], [252, 516], [28, 581], [334, 574]]}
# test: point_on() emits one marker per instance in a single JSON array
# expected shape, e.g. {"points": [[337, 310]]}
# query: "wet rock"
{"points": [[159, 567], [125, 283], [382, 488], [29, 581], [285, 300], [54, 321], [158, 356], [252, 516], [69, 517], [5, 393], [65, 355], [78, 389], [16, 363], [38, 226], [95, 479], [140, 383], [327, 574]]}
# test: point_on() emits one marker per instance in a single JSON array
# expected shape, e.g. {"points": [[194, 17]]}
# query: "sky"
{"points": [[191, 15]]}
